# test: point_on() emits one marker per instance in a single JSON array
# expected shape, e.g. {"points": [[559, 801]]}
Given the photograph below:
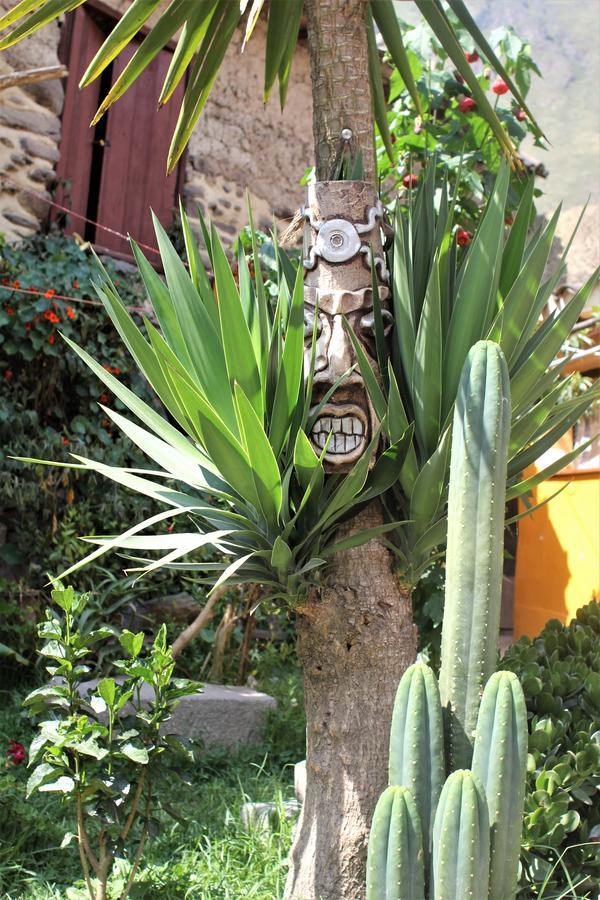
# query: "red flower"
{"points": [[51, 316], [520, 115], [51, 339], [10, 311], [8, 375], [65, 440], [75, 284], [410, 180], [472, 57], [500, 86], [103, 398], [16, 284], [463, 237], [508, 220], [16, 751], [71, 312], [467, 104], [28, 326], [49, 293]]}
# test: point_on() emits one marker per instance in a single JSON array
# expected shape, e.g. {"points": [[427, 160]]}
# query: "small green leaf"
{"points": [[135, 754], [106, 689]]}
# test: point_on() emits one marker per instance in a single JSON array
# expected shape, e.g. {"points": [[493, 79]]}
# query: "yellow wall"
{"points": [[558, 553]]}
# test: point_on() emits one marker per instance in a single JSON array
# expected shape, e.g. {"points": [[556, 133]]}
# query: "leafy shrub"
{"points": [[560, 675], [103, 749], [452, 128], [50, 404]]}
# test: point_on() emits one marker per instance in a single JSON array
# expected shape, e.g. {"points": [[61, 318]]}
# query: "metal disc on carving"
{"points": [[337, 241]]}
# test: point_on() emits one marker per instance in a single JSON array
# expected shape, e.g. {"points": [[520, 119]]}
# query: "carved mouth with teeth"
{"points": [[348, 426]]}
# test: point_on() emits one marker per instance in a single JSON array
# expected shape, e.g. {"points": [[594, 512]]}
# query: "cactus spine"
{"points": [[395, 867], [417, 744], [500, 762], [474, 548], [461, 840]]}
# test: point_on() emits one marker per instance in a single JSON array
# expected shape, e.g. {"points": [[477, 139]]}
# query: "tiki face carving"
{"points": [[349, 414], [343, 227]]}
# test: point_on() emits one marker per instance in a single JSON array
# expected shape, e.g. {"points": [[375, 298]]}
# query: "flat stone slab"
{"points": [[220, 716]]}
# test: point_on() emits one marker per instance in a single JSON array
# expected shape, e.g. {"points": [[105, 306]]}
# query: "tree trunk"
{"points": [[340, 82], [356, 637], [354, 643]]}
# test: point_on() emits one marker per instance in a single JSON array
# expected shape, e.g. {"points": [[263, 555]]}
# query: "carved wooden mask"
{"points": [[343, 223]]}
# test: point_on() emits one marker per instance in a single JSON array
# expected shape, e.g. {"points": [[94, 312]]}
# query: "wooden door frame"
{"points": [[105, 14]]}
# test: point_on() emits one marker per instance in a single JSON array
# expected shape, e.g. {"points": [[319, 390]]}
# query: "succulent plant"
{"points": [[471, 827], [474, 557], [417, 744], [461, 840], [395, 861], [500, 763]]}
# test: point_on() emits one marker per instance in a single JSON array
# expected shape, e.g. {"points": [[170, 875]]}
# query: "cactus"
{"points": [[461, 841], [417, 744], [395, 867], [500, 762], [474, 548]]}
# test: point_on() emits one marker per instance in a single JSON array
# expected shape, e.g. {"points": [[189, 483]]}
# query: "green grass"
{"points": [[207, 858]]}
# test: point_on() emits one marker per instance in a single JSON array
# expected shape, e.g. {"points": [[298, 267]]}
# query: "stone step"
{"points": [[220, 716]]}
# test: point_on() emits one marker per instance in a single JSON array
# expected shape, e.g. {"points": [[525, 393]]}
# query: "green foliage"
{"points": [[205, 853], [474, 551], [452, 132], [50, 403], [103, 748], [560, 675], [229, 370], [446, 297], [206, 30]]}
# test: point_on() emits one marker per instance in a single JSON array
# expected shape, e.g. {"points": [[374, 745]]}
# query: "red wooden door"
{"points": [[117, 170], [77, 138], [134, 167]]}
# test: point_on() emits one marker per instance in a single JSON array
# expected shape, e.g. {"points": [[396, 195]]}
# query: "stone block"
{"points": [[30, 120], [265, 816], [220, 716], [300, 780], [42, 149]]}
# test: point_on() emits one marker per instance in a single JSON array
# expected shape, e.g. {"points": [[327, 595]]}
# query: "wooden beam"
{"points": [[31, 76]]}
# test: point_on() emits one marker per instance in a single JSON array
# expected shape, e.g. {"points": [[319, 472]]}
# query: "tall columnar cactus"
{"points": [[417, 744], [395, 864], [461, 841], [474, 548], [500, 762], [472, 829]]}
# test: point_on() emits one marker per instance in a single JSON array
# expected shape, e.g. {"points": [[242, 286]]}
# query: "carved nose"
{"points": [[340, 355]]}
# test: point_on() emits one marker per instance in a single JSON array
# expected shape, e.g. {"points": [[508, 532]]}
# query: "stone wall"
{"points": [[29, 132], [241, 143], [238, 143]]}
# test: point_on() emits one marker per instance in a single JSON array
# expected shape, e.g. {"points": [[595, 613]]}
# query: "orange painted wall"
{"points": [[558, 552]]}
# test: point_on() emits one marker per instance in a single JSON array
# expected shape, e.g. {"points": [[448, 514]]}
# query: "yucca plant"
{"points": [[206, 29], [237, 465], [445, 299]]}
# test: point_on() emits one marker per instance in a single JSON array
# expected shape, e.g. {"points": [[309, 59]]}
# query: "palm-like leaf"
{"points": [[239, 468], [442, 306], [207, 28]]}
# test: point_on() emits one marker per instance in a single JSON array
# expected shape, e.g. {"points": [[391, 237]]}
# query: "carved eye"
{"points": [[367, 323], [309, 322]]}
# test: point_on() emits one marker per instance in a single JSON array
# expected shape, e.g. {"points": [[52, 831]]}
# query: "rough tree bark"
{"points": [[354, 642], [356, 637], [340, 81]]}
